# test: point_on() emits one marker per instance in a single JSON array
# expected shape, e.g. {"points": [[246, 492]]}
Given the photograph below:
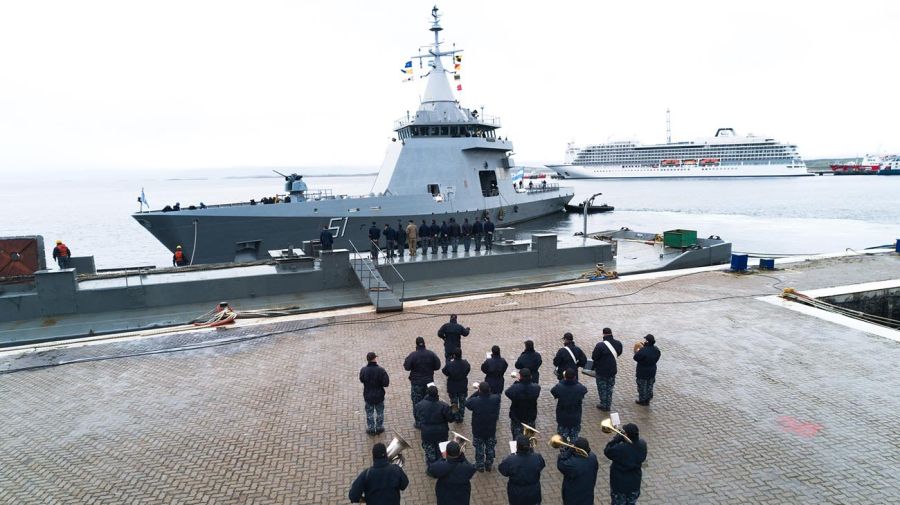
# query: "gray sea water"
{"points": [[91, 211]]}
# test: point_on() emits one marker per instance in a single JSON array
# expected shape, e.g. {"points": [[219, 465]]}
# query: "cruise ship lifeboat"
{"points": [[690, 162], [705, 162], [670, 163]]}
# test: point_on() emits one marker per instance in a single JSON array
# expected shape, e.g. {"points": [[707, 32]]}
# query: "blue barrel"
{"points": [[767, 263], [738, 262]]}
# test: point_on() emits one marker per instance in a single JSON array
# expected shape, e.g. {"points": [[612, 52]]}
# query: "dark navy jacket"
{"points": [[646, 359], [563, 360], [374, 379], [457, 372], [390, 234], [569, 395], [451, 334], [455, 230], [531, 360], [445, 230], [488, 227], [494, 368], [326, 238], [477, 228], [434, 415], [424, 230], [625, 470], [485, 414], [435, 229], [579, 477], [421, 365], [524, 396], [380, 484], [604, 361], [466, 229], [374, 233], [453, 476], [524, 472]]}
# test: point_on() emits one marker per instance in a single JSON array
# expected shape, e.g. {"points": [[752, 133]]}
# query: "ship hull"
{"points": [[247, 233], [622, 172]]}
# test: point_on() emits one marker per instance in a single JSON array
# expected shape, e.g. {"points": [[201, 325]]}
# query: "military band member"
{"points": [[646, 355], [494, 368], [605, 355], [524, 471], [625, 470], [531, 360], [485, 409], [523, 407], [457, 372], [579, 473], [453, 474], [381, 483], [569, 395], [451, 333], [433, 415], [477, 233], [421, 365], [568, 356], [374, 379]]}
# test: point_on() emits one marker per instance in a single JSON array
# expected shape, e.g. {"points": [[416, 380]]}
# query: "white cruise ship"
{"points": [[724, 155]]}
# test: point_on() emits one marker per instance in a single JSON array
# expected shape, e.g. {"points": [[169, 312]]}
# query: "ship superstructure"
{"points": [[445, 161], [724, 155]]}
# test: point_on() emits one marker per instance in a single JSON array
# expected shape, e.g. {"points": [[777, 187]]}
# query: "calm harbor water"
{"points": [[91, 211]]}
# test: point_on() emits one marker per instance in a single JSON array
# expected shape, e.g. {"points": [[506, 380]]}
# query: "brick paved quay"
{"points": [[753, 403]]}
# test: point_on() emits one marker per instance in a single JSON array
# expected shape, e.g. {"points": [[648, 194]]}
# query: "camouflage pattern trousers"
{"points": [[484, 451]]}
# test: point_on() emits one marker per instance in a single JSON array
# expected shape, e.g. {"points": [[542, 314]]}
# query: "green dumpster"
{"points": [[680, 238]]}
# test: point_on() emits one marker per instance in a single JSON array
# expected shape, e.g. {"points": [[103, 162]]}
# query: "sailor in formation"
{"points": [[466, 233], [605, 354], [577, 464]]}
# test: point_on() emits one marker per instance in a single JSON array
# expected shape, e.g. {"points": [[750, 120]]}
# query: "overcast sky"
{"points": [[183, 84]]}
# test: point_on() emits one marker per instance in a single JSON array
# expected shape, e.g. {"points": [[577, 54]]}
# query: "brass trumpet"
{"points": [[395, 449], [638, 346], [556, 441], [459, 439], [530, 433], [606, 426]]}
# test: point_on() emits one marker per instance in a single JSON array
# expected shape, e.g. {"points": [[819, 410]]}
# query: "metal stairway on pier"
{"points": [[382, 294]]}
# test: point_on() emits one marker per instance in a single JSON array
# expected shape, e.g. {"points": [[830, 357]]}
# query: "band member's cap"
{"points": [[650, 339], [607, 331], [420, 341], [379, 451], [371, 356], [568, 336]]}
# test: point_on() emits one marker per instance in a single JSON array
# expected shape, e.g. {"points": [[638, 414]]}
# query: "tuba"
{"points": [[530, 433], [606, 426], [556, 441], [395, 448]]}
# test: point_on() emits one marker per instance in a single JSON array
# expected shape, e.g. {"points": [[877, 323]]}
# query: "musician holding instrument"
{"points": [[524, 471], [523, 407], [381, 483], [453, 486], [433, 414], [494, 367], [579, 469], [605, 355], [485, 409], [627, 456], [457, 372], [646, 354]]}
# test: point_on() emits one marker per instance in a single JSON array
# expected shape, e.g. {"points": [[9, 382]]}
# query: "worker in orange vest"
{"points": [[179, 259], [62, 254]]}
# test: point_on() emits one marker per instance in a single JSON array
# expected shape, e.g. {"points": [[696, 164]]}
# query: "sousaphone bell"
{"points": [[530, 433], [606, 426], [395, 450], [556, 441]]}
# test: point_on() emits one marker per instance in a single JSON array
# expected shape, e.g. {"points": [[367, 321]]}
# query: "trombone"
{"points": [[556, 441], [606, 426], [459, 439]]}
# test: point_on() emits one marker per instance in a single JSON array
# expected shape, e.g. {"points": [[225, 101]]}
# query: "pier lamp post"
{"points": [[584, 210]]}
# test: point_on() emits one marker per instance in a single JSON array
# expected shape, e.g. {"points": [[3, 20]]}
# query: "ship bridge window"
{"points": [[434, 189], [488, 179]]}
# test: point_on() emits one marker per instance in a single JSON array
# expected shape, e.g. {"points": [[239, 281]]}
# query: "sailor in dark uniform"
{"points": [[326, 238], [579, 473], [466, 232], [424, 237], [390, 241], [400, 233], [455, 232], [564, 356], [433, 414], [494, 368], [445, 236], [524, 471], [435, 236], [453, 474], [374, 237], [531, 360], [488, 233], [477, 232]]}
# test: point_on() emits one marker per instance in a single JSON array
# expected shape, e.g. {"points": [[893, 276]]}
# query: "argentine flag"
{"points": [[519, 175]]}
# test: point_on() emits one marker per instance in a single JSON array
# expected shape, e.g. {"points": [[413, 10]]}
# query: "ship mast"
{"points": [[438, 94]]}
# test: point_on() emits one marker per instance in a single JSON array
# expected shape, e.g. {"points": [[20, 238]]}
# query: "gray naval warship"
{"points": [[445, 162]]}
